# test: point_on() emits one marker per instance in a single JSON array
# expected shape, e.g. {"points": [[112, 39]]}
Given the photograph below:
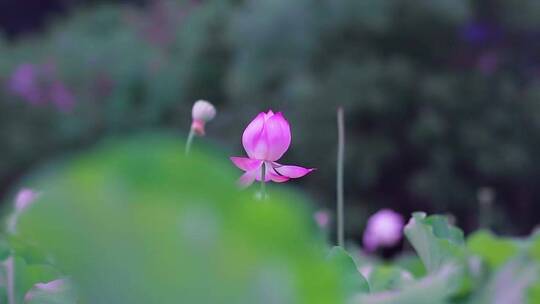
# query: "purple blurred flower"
{"points": [[479, 32], [39, 84], [488, 62], [322, 218], [384, 229], [62, 97], [25, 84]]}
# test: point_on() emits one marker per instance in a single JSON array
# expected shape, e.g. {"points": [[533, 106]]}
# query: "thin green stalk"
{"points": [[486, 197], [263, 184], [189, 141], [339, 180], [10, 279]]}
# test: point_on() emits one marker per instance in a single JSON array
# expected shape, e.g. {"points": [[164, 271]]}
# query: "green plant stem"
{"points": [[189, 141], [486, 196], [339, 179], [263, 184], [10, 280]]}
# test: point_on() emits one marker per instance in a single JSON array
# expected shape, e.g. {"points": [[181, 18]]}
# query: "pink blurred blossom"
{"points": [[24, 83], [62, 97], [384, 229], [322, 218], [24, 198], [38, 84], [265, 140]]}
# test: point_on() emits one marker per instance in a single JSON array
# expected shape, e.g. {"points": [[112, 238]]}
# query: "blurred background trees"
{"points": [[441, 96]]}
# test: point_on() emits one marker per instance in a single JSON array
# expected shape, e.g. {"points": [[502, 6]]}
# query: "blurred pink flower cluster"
{"points": [[39, 84]]}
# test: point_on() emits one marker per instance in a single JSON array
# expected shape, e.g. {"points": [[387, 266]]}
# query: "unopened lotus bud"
{"points": [[202, 112]]}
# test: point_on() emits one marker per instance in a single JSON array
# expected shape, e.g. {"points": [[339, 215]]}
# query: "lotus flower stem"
{"points": [[263, 185], [189, 141], [486, 197], [339, 179], [10, 280]]}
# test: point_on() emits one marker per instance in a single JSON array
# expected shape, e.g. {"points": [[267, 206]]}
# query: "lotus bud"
{"points": [[202, 112]]}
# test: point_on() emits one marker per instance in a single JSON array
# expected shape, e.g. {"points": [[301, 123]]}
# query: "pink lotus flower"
{"points": [[265, 140], [384, 229]]}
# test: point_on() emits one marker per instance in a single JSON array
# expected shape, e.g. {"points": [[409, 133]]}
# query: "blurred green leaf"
{"points": [[354, 280], [63, 294], [435, 240], [510, 283], [435, 288], [138, 222], [533, 293], [387, 277], [412, 263], [534, 249], [27, 275], [495, 251]]}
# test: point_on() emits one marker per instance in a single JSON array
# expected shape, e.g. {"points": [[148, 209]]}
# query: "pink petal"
{"points": [[246, 164], [272, 175], [277, 178], [24, 198], [268, 115], [278, 135], [247, 178], [322, 218], [291, 171], [370, 242], [254, 137]]}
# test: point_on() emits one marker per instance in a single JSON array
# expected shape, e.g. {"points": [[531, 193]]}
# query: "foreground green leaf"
{"points": [[384, 277], [510, 284], [493, 250], [138, 222], [354, 281], [435, 288], [435, 240]]}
